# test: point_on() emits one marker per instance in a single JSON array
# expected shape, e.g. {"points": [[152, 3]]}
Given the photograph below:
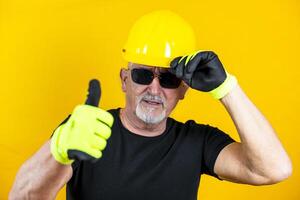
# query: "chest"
{"points": [[166, 168]]}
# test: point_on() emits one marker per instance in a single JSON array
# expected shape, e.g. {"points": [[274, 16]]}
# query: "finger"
{"points": [[194, 63], [175, 62], [102, 130], [174, 65], [181, 67], [206, 57], [98, 143], [177, 66], [104, 117], [94, 93]]}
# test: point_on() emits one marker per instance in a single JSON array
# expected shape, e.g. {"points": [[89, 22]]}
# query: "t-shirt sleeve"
{"points": [[214, 141]]}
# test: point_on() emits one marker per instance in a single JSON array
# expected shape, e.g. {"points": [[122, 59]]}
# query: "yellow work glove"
{"points": [[84, 135]]}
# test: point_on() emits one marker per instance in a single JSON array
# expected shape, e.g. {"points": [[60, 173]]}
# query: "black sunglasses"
{"points": [[145, 77]]}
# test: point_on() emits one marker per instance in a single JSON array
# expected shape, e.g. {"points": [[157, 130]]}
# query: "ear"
{"points": [[123, 77], [182, 90]]}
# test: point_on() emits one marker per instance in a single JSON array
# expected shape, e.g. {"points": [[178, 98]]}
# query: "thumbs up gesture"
{"points": [[84, 135]]}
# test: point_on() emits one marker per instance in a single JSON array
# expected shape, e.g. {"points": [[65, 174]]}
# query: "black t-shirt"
{"points": [[135, 167]]}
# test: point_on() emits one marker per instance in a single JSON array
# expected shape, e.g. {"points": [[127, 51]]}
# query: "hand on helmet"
{"points": [[204, 71]]}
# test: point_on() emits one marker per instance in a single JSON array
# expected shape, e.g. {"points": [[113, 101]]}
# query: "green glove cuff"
{"points": [[223, 89], [55, 151]]}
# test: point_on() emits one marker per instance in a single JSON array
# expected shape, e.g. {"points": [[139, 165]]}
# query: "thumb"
{"points": [[94, 93]]}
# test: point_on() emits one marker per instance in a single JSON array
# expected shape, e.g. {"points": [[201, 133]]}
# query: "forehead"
{"points": [[152, 68]]}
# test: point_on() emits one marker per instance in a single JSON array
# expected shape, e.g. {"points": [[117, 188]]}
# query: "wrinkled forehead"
{"points": [[152, 68]]}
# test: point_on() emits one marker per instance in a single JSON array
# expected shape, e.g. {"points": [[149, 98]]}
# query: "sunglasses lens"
{"points": [[142, 76], [169, 80], [145, 77]]}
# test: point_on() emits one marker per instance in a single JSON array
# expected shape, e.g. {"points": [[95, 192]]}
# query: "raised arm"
{"points": [[260, 157]]}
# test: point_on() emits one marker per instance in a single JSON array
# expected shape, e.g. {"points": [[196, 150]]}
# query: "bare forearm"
{"points": [[262, 149], [40, 177]]}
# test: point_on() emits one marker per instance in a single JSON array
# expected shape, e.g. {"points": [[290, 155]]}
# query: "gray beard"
{"points": [[147, 117], [146, 114]]}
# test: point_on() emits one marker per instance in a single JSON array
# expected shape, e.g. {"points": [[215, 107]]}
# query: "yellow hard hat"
{"points": [[157, 38]]}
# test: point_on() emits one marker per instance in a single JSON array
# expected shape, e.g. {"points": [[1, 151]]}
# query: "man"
{"points": [[138, 152]]}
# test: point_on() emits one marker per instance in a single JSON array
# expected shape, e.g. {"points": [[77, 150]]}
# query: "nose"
{"points": [[155, 87]]}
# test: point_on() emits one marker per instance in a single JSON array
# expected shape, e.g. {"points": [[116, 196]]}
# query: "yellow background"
{"points": [[50, 49]]}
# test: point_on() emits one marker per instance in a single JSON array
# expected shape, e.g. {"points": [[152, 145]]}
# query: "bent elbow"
{"points": [[272, 175], [280, 174]]}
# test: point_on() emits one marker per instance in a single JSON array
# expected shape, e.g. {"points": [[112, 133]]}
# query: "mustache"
{"points": [[150, 97]]}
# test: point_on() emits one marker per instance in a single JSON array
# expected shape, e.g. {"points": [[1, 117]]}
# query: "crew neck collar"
{"points": [[125, 130]]}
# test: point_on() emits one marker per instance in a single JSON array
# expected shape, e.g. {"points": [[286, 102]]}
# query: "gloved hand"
{"points": [[204, 71], [84, 135]]}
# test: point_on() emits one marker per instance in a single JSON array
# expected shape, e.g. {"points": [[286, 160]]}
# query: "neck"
{"points": [[139, 127]]}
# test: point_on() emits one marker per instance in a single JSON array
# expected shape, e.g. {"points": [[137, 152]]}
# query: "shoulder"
{"points": [[191, 127]]}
